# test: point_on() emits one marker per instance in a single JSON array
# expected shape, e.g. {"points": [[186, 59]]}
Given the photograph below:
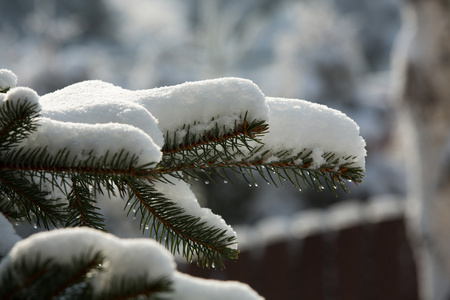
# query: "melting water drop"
{"points": [[206, 182], [225, 181], [146, 227]]}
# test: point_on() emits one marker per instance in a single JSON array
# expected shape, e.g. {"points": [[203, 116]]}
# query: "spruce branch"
{"points": [[30, 200], [81, 209], [170, 223], [241, 151], [50, 279], [17, 121]]}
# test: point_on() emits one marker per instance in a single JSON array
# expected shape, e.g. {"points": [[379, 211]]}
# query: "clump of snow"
{"points": [[309, 222], [385, 207], [187, 287], [8, 234], [98, 102], [273, 229], [82, 138], [22, 94], [299, 124], [224, 99], [345, 214], [180, 193], [8, 79], [130, 258]]}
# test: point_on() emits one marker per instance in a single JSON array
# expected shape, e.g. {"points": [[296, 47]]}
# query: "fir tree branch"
{"points": [[31, 200], [17, 121], [170, 223], [81, 209], [241, 151], [48, 279]]}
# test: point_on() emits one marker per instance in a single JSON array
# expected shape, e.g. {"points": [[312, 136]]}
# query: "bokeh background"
{"points": [[334, 52]]}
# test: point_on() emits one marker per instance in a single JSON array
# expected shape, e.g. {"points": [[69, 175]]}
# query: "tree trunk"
{"points": [[422, 65]]}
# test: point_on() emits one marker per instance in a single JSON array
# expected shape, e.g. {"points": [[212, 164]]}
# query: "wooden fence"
{"points": [[362, 257]]}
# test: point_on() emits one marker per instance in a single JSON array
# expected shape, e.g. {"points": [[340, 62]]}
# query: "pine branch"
{"points": [[240, 151], [31, 201], [81, 210], [17, 121], [171, 224], [48, 279]]}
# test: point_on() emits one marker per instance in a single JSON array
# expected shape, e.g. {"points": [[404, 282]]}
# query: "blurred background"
{"points": [[333, 52]]}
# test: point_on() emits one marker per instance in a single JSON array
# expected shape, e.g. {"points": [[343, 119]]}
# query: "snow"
{"points": [[180, 193], [124, 257], [224, 99], [20, 94], [299, 124], [127, 257], [8, 79], [192, 288], [8, 236], [81, 138], [310, 222]]}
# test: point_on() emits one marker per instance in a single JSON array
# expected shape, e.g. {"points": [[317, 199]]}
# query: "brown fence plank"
{"points": [[309, 268], [351, 254], [276, 271]]}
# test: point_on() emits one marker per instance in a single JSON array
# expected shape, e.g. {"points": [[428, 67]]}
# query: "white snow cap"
{"points": [[125, 257], [22, 94], [7, 79], [153, 111], [193, 288], [299, 124], [180, 193]]}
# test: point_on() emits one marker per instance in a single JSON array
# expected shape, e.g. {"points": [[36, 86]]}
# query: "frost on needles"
{"points": [[60, 151]]}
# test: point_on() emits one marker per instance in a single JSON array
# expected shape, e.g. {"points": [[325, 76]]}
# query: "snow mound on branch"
{"points": [[166, 108], [193, 288], [22, 94], [99, 138], [131, 258], [8, 79], [180, 193], [299, 124]]}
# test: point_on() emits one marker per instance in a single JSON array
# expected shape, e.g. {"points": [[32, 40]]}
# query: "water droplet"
{"points": [[146, 227], [16, 224], [321, 187], [134, 210], [256, 185], [35, 226], [225, 181], [206, 182], [268, 183], [250, 185]]}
